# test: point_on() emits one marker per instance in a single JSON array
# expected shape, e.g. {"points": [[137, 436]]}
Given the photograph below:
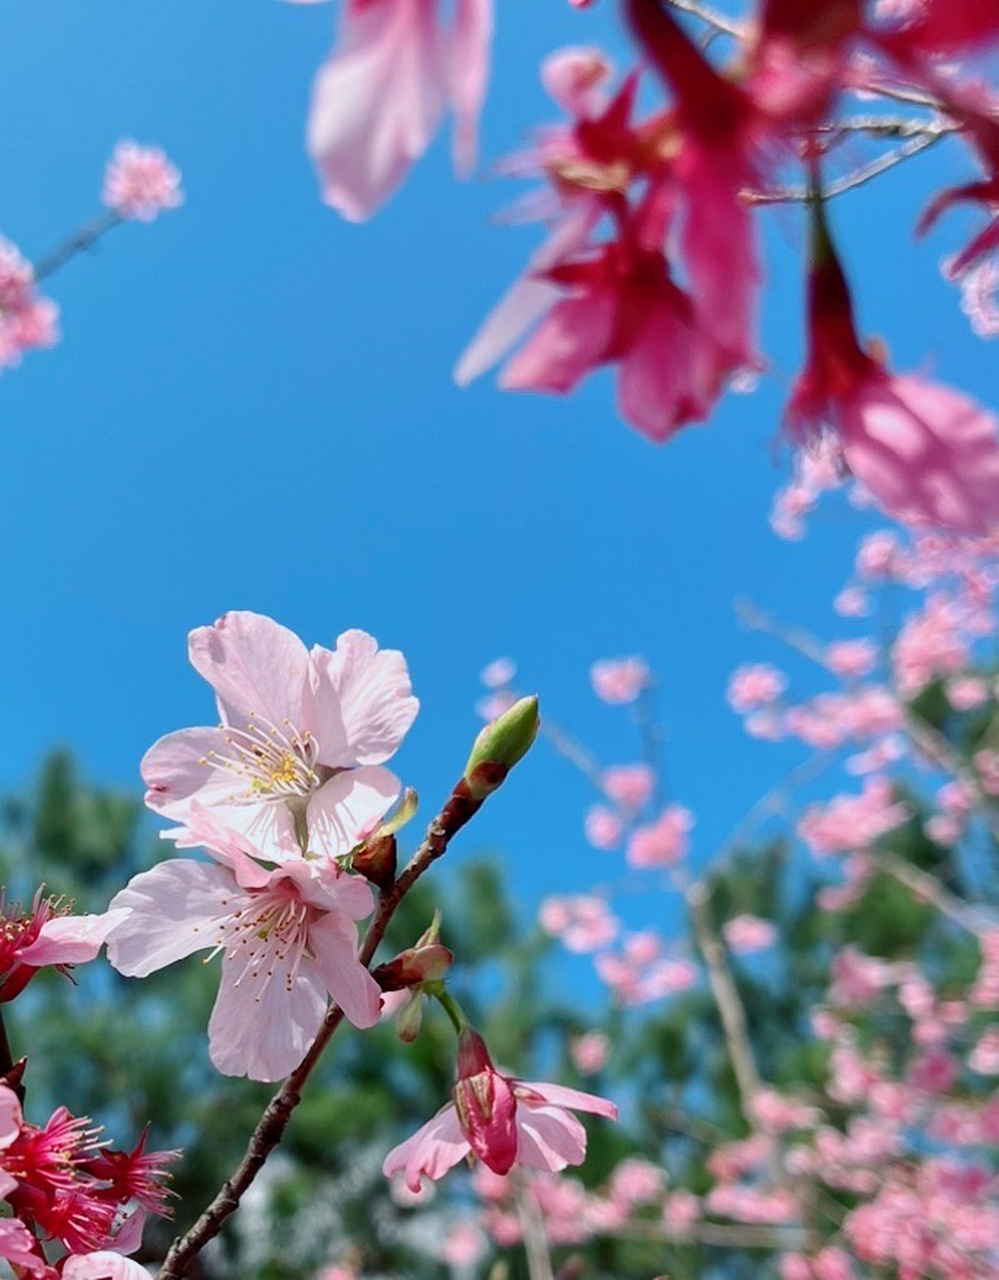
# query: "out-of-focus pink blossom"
{"points": [[464, 1245], [851, 602], [636, 1181], [583, 922], [751, 687], [589, 1052], [379, 99], [851, 659], [851, 823], [629, 786], [964, 693], [603, 827], [681, 1210], [858, 978], [140, 182], [776, 1114], [746, 934], [663, 842], [984, 1057], [979, 302], [497, 673], [617, 680], [27, 320]]}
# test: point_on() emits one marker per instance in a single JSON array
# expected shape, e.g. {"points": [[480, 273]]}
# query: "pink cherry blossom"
{"points": [[296, 758], [27, 320], [379, 99], [589, 1052], [746, 934], [636, 1181], [140, 182], [617, 680], [498, 673], [851, 659], [850, 823], [464, 1245], [979, 301], [502, 1120], [629, 786], [751, 687], [662, 842], [46, 935], [681, 1210], [603, 827], [583, 922], [964, 693], [103, 1265], [287, 937]]}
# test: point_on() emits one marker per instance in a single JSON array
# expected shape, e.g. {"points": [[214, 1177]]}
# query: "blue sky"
{"points": [[252, 408]]}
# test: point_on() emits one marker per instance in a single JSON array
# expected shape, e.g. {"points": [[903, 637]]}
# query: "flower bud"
{"points": [[409, 1019], [414, 966], [500, 746], [376, 860]]}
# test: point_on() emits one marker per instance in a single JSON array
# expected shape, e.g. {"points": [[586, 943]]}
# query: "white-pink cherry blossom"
{"points": [[287, 937], [296, 757]]}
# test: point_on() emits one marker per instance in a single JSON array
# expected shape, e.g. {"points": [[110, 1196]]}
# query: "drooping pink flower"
{"points": [[747, 933], [287, 938], [140, 182], [502, 1120], [927, 453], [379, 99], [662, 842], [27, 320], [296, 758], [617, 680]]}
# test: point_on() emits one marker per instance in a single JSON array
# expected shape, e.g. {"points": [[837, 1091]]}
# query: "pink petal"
{"points": [[376, 103], [11, 1118], [262, 1027], [573, 339], [256, 666], [322, 884], [346, 808], [561, 1096], [104, 1265], [333, 940], [433, 1149], [928, 454], [372, 698], [526, 301], [203, 830], [468, 73], [71, 939], [19, 1246], [173, 768], [549, 1138], [172, 910]]}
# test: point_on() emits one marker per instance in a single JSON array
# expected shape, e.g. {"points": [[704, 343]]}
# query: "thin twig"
{"points": [[975, 919], [800, 195], [721, 24], [749, 1236], [272, 1124], [532, 1233], [79, 242], [573, 751]]}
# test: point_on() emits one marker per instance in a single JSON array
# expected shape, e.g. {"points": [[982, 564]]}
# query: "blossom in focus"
{"points": [[103, 1265], [927, 453], [660, 843], [746, 934], [617, 680], [502, 1121], [140, 182], [47, 934], [380, 97], [27, 320], [296, 758], [287, 938]]}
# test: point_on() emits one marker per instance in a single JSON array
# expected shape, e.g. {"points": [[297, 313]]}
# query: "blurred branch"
{"points": [[721, 24], [532, 1231], [968, 915], [799, 195], [272, 1124], [79, 242], [738, 1236]]}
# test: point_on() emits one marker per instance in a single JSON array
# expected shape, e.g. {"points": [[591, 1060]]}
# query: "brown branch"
{"points": [[79, 242], [272, 1124]]}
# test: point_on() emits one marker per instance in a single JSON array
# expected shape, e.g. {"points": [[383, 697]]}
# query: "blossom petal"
{"points": [[262, 1026], [373, 699], [19, 1246], [71, 939], [256, 666], [11, 1117], [172, 909], [569, 343], [376, 103], [104, 1265], [323, 884], [549, 1138], [433, 1149], [174, 768], [562, 1096], [468, 74], [333, 939], [348, 807]]}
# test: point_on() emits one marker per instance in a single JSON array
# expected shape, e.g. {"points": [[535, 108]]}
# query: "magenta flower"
{"points": [[927, 453], [140, 182], [503, 1121], [46, 935], [296, 756], [287, 937], [378, 101]]}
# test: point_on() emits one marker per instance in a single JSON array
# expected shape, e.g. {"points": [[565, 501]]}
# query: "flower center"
{"points": [[272, 932], [272, 763]]}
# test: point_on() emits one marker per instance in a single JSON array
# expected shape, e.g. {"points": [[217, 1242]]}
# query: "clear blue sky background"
{"points": [[252, 408]]}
